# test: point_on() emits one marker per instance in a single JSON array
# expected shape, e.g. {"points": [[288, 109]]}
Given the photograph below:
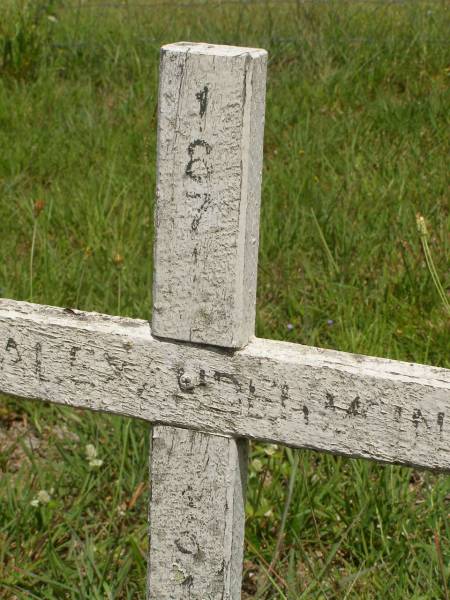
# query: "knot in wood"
{"points": [[186, 381]]}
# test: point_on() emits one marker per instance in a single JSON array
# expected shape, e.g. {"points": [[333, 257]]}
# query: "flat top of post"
{"points": [[212, 49]]}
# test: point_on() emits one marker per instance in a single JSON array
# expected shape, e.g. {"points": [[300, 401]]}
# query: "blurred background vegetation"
{"points": [[356, 147]]}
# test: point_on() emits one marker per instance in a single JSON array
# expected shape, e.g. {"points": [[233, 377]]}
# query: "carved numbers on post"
{"points": [[211, 114], [210, 136]]}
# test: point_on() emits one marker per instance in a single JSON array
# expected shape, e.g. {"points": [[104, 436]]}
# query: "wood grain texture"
{"points": [[210, 136], [210, 133], [278, 392], [196, 515]]}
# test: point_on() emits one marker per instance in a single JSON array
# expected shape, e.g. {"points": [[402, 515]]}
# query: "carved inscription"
{"points": [[11, 346], [206, 201], [187, 544], [202, 97], [255, 400], [199, 170], [38, 361], [73, 354], [199, 167], [329, 402], [440, 422], [418, 419], [236, 393], [305, 410]]}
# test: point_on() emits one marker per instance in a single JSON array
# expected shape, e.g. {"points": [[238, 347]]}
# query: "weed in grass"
{"points": [[26, 33], [423, 232]]}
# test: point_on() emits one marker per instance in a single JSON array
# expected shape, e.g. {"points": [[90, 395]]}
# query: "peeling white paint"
{"points": [[210, 136], [305, 397]]}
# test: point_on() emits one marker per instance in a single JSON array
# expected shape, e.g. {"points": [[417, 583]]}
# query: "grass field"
{"points": [[357, 143]]}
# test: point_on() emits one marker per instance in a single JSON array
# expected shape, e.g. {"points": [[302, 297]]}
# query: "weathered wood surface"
{"points": [[210, 137], [197, 515], [278, 392]]}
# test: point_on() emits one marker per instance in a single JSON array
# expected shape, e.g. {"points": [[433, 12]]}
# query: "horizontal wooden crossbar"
{"points": [[278, 392]]}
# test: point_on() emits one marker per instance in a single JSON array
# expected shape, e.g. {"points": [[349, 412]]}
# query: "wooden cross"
{"points": [[199, 376]]}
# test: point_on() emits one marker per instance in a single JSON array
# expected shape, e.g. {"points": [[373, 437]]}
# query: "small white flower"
{"points": [[270, 449], [42, 497], [91, 456], [91, 452], [257, 465]]}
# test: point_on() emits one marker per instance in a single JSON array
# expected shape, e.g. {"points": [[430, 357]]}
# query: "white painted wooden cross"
{"points": [[199, 376]]}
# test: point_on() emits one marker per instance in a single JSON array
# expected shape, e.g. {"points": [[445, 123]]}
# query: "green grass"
{"points": [[356, 144]]}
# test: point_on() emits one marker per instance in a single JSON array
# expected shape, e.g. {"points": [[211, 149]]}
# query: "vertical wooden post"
{"points": [[210, 138]]}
